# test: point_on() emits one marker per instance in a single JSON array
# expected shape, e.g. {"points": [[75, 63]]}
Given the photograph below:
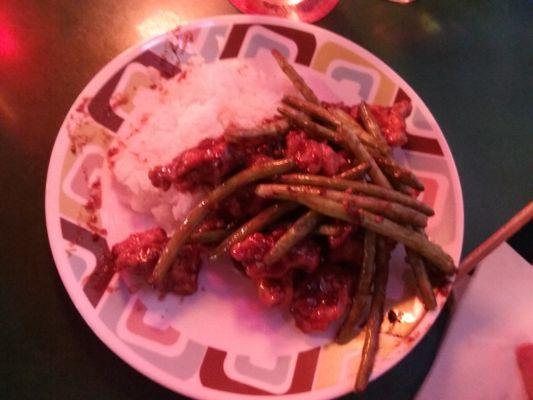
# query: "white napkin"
{"points": [[495, 315]]}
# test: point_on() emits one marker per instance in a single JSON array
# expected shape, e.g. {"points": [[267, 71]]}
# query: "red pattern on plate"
{"points": [[100, 106], [429, 195], [212, 373], [421, 144], [135, 324], [211, 370], [96, 284], [305, 41]]}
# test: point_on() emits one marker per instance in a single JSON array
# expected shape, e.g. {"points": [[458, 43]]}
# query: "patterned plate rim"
{"points": [[82, 304]]}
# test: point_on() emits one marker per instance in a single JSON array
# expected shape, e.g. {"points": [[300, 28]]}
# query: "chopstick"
{"points": [[505, 232]]}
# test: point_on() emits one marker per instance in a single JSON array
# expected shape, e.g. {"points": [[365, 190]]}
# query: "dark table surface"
{"points": [[470, 61]]}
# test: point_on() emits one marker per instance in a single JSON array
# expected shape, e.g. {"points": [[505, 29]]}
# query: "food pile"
{"points": [[308, 205]]}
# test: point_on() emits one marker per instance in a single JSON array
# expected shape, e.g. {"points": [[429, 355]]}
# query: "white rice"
{"points": [[176, 116]]}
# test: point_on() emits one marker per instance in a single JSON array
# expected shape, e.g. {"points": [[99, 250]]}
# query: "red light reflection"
{"points": [[9, 46]]}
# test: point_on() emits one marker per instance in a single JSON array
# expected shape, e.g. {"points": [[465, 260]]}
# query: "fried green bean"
{"points": [[296, 232], [343, 137], [209, 237], [423, 283], [394, 211], [400, 187], [273, 128], [350, 139], [399, 173], [303, 121], [358, 314], [359, 187], [198, 213], [312, 109], [371, 345], [312, 200], [414, 240], [261, 220], [381, 225], [356, 172], [366, 138], [295, 78], [299, 230], [371, 125]]}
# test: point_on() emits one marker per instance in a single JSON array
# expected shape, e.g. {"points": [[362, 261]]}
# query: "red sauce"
{"points": [[321, 299], [313, 157], [82, 106], [118, 100], [92, 223], [343, 231], [205, 165], [250, 252], [318, 296], [77, 139], [212, 161], [93, 204], [139, 253], [391, 120], [350, 253], [95, 197], [275, 291], [243, 205]]}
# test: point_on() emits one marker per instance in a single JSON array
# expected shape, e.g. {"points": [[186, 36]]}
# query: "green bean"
{"points": [[309, 199], [414, 240], [401, 174], [209, 237], [356, 172], [381, 225], [400, 187], [366, 138], [360, 187], [299, 230], [358, 314], [302, 121], [423, 283], [394, 211], [371, 345], [312, 109], [371, 125], [198, 213], [261, 220], [295, 78], [272, 128], [296, 232], [361, 153]]}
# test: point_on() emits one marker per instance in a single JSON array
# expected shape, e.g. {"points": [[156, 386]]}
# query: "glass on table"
{"points": [[300, 10]]}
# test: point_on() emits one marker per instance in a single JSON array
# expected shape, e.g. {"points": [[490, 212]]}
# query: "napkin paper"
{"points": [[495, 315]]}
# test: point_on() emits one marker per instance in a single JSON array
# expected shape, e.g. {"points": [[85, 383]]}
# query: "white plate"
{"points": [[221, 342]]}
